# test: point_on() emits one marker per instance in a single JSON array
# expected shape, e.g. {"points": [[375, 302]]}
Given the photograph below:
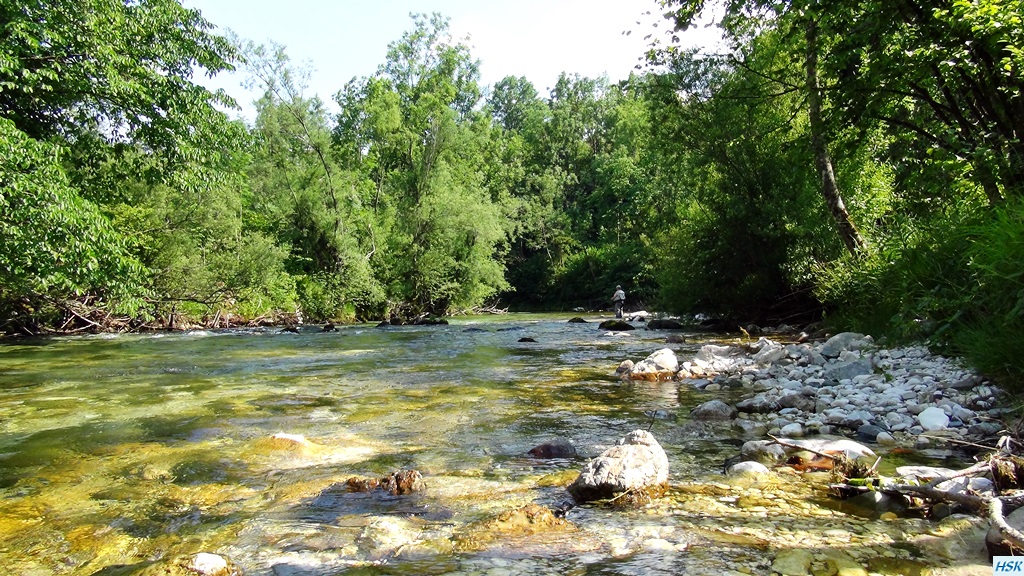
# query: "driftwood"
{"points": [[991, 507], [1002, 466]]}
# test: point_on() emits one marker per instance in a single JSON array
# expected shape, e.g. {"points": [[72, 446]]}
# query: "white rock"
{"points": [[208, 564], [794, 429], [885, 439], [933, 419], [747, 468]]}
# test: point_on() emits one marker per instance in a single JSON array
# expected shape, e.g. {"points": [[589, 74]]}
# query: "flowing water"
{"points": [[117, 451]]}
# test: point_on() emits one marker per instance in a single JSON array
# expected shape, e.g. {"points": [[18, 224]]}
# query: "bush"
{"points": [[957, 284]]}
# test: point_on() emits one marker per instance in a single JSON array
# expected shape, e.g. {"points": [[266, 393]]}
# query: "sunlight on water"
{"points": [[120, 450]]}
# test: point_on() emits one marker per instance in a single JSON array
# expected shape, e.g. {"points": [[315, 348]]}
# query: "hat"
{"points": [[618, 287]]}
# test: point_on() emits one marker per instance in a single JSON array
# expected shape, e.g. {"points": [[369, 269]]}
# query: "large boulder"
{"points": [[844, 341], [661, 365], [713, 410], [637, 463], [664, 324], [616, 325]]}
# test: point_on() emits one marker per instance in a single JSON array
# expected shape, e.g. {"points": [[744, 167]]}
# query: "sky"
{"points": [[538, 39]]}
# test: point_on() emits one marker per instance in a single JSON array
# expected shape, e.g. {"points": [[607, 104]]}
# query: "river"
{"points": [[121, 451]]}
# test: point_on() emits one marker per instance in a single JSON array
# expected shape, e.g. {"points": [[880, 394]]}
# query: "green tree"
{"points": [[744, 20], [943, 75], [93, 95], [416, 127], [307, 198]]}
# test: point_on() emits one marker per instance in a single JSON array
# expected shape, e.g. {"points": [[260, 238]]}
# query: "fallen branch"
{"points": [[785, 444]]}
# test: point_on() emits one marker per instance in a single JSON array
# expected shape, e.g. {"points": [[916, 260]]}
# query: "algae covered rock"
{"points": [[526, 521]]}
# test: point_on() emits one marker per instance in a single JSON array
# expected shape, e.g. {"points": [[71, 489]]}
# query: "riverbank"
{"points": [[903, 404]]}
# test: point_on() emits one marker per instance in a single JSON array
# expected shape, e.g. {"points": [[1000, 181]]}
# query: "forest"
{"points": [[858, 162]]}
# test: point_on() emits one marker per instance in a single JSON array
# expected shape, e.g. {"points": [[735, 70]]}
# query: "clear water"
{"points": [[119, 451]]}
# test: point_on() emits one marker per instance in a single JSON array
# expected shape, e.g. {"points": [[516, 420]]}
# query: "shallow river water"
{"points": [[121, 451]]}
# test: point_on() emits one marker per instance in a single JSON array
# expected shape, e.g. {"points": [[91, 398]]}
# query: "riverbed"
{"points": [[119, 452]]}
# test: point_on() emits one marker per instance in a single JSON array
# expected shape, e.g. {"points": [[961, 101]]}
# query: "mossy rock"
{"points": [[664, 325], [525, 521], [616, 325]]}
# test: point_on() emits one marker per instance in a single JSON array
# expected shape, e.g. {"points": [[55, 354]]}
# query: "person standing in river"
{"points": [[618, 299]]}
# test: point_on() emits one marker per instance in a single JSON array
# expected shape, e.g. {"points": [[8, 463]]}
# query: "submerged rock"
{"points": [[794, 562], [664, 325], [636, 463], [396, 483], [554, 449], [747, 468], [527, 521]]}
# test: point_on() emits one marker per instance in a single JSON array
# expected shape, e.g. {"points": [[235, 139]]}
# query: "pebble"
{"points": [[908, 392]]}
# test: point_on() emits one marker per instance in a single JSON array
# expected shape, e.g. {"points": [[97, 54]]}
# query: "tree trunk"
{"points": [[829, 188]]}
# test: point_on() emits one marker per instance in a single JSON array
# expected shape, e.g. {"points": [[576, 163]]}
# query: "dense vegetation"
{"points": [[856, 160]]}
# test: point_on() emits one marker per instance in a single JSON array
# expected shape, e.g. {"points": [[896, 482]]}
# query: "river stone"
{"points": [[201, 564], [923, 473], [842, 342], [616, 325], [554, 449], [749, 427], [793, 562], [713, 410], [932, 419], [664, 325], [849, 370], [625, 368], [769, 355], [794, 429], [660, 364], [764, 451], [840, 564], [757, 405], [386, 536], [869, 432], [528, 520], [905, 566], [885, 439], [748, 468], [876, 503], [637, 462], [798, 401]]}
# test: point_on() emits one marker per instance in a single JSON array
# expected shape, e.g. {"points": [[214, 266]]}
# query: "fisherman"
{"points": [[618, 299]]}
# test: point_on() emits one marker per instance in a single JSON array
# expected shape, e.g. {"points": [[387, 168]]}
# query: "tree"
{"points": [[945, 73], [91, 91], [307, 197], [748, 221], [744, 19], [416, 127]]}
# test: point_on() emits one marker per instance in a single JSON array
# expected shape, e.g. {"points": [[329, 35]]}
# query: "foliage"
{"points": [[751, 223], [56, 244], [95, 97], [416, 127]]}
